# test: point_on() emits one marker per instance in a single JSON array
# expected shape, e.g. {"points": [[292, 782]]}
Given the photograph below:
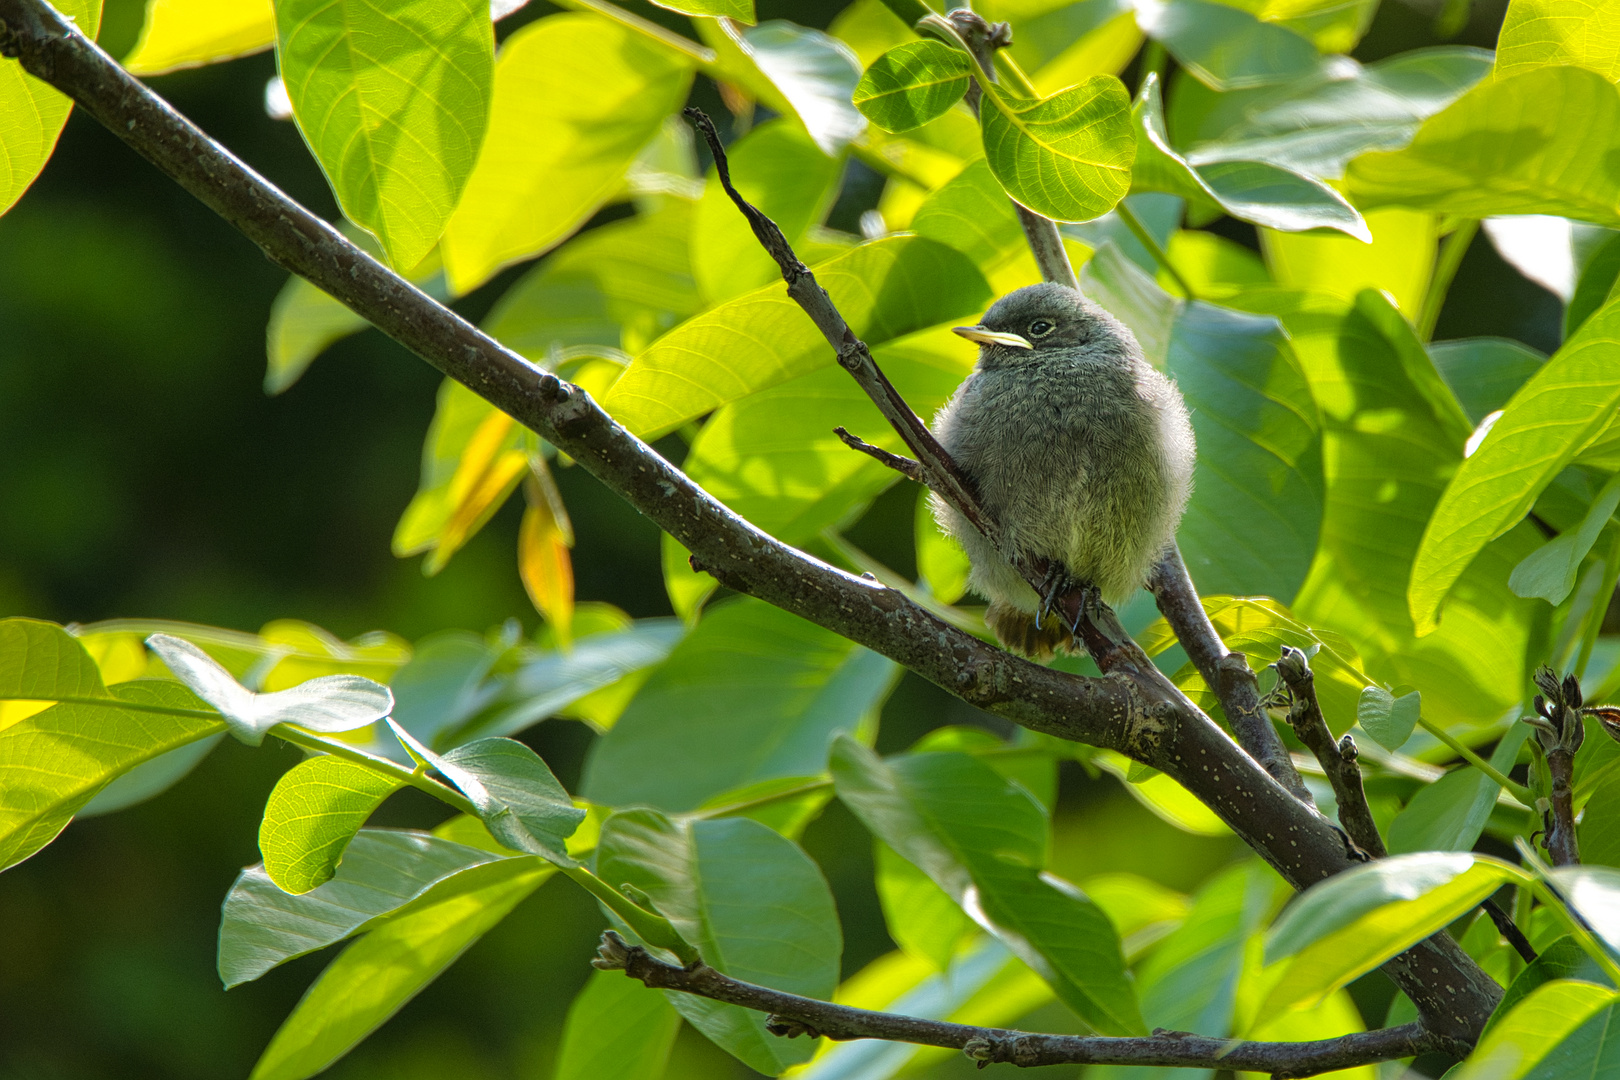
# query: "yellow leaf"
{"points": [[189, 33], [543, 542], [486, 475]]}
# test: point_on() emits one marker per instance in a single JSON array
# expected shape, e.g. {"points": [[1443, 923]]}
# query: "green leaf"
{"points": [[741, 10], [1347, 925], [1332, 25], [971, 214], [382, 870], [751, 694], [313, 812], [150, 778], [373, 978], [617, 1029], [1550, 33], [1593, 893], [1550, 420], [1563, 959], [32, 114], [54, 759], [1254, 191], [518, 799], [1484, 372], [920, 916], [186, 33], [774, 458], [1600, 821], [816, 75], [1226, 48], [1387, 718], [884, 289], [586, 681], [1387, 459], [304, 321], [1067, 156], [1549, 571], [1317, 125], [1560, 1030], [1399, 261], [1260, 456], [983, 841], [1529, 144], [1118, 282], [779, 169], [393, 100], [755, 906], [555, 154], [326, 704], [1597, 277], [1447, 815], [942, 565], [1190, 980], [908, 86]]}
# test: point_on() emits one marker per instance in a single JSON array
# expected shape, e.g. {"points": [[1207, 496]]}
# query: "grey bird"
{"points": [[1077, 446]]}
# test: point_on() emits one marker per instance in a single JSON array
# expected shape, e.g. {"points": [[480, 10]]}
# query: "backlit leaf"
{"points": [[1224, 47], [617, 1029], [314, 811], [185, 33], [908, 86], [1542, 33], [1550, 420], [393, 100], [32, 114], [1558, 1031], [554, 154], [1067, 156]]}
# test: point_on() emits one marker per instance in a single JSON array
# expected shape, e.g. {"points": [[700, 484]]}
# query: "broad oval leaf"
{"points": [[1387, 718], [1545, 1029], [1534, 143], [1317, 125], [815, 73], [262, 926], [1484, 372], [313, 812], [756, 907], [32, 114], [911, 85], [1225, 47], [741, 10], [1545, 425], [971, 214], [1347, 925], [555, 154], [518, 799], [393, 99], [374, 977], [752, 694], [1545, 33], [1549, 571], [186, 33], [884, 289], [329, 703], [1067, 156], [617, 1029], [983, 841]]}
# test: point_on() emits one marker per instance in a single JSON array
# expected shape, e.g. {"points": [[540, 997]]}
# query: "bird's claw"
{"points": [[1054, 587]]}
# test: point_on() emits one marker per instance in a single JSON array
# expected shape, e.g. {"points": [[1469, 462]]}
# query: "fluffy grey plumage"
{"points": [[1080, 449]]}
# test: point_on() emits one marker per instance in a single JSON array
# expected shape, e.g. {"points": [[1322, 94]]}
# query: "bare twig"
{"points": [[1338, 759], [1227, 673], [905, 466], [1136, 716], [792, 1015]]}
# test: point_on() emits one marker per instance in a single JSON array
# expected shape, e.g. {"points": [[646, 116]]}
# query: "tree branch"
{"points": [[1136, 716], [905, 466], [792, 1015], [1338, 759], [1227, 673]]}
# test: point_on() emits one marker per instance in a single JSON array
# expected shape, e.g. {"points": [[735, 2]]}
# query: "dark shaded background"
{"points": [[144, 473]]}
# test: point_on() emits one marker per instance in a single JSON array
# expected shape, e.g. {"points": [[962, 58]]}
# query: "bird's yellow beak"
{"points": [[985, 336]]}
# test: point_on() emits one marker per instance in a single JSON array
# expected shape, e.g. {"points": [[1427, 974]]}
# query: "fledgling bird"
{"points": [[1078, 447]]}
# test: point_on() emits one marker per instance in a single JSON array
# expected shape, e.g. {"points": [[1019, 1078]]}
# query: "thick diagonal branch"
{"points": [[1135, 716], [792, 1015]]}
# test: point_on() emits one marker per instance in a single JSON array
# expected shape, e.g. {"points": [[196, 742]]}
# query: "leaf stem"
{"points": [[1517, 790], [1452, 250], [1134, 223], [391, 769]]}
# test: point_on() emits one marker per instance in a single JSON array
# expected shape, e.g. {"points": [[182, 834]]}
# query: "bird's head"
{"points": [[1029, 321]]}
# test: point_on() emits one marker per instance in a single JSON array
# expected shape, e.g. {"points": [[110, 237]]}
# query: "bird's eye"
{"points": [[1040, 328]]}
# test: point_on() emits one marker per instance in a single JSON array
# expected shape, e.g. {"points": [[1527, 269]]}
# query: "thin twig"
{"points": [[905, 466], [1338, 759], [1452, 250], [1136, 716], [792, 1015], [1227, 673], [1509, 785]]}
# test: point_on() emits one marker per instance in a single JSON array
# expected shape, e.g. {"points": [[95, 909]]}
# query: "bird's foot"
{"points": [[1058, 584]]}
